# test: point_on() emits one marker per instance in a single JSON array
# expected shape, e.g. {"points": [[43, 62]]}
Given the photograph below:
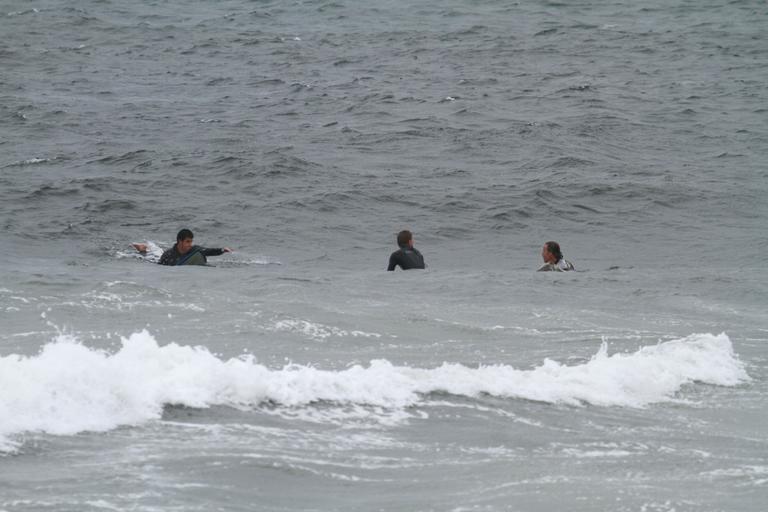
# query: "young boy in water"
{"points": [[184, 252], [407, 257]]}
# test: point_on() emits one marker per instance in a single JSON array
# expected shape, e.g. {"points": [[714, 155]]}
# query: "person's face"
{"points": [[548, 256], [183, 246]]}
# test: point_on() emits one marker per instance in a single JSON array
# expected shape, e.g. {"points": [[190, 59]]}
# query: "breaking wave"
{"points": [[69, 388]]}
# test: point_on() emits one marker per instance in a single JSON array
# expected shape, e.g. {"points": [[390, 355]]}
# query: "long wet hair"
{"points": [[554, 249]]}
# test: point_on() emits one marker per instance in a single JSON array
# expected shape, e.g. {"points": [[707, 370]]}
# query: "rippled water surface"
{"points": [[295, 373]]}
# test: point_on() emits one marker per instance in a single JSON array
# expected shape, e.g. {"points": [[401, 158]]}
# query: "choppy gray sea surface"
{"points": [[295, 373]]}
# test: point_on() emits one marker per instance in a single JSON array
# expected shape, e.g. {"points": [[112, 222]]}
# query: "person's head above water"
{"points": [[184, 234], [405, 238], [551, 252], [184, 241]]}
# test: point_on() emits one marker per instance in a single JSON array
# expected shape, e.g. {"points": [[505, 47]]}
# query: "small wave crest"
{"points": [[22, 13], [29, 161], [69, 388]]}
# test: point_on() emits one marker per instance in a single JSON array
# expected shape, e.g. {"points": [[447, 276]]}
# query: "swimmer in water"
{"points": [[184, 252], [553, 259], [406, 257]]}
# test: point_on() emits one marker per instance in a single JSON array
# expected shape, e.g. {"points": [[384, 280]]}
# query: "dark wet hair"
{"points": [[404, 237], [184, 234], [554, 249]]}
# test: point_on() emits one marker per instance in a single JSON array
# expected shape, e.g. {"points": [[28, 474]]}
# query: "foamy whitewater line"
{"points": [[30, 161], [69, 388], [318, 331]]}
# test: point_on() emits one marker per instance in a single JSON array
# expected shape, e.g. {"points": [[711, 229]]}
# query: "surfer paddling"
{"points": [[553, 258], [184, 252]]}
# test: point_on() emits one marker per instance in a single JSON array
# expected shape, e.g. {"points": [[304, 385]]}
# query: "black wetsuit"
{"points": [[195, 256], [407, 258]]}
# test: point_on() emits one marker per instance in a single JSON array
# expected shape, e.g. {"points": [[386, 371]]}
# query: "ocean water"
{"points": [[296, 374]]}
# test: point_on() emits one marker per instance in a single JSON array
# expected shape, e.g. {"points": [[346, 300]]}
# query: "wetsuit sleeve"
{"points": [[211, 252], [392, 262]]}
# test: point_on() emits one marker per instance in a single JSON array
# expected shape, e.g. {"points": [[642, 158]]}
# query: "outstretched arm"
{"points": [[214, 252], [142, 248]]}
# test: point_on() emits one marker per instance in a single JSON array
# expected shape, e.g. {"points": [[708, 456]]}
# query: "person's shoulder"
{"points": [[560, 266], [168, 252]]}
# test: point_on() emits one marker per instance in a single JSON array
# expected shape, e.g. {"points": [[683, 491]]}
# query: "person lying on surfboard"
{"points": [[184, 252]]}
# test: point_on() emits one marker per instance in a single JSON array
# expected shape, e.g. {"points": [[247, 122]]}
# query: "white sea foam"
{"points": [[318, 331], [29, 161], [69, 388], [20, 13]]}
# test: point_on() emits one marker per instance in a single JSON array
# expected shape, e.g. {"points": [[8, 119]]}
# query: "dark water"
{"points": [[305, 135]]}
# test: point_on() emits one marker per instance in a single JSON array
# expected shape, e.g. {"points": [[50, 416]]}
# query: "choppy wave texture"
{"points": [[69, 388]]}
